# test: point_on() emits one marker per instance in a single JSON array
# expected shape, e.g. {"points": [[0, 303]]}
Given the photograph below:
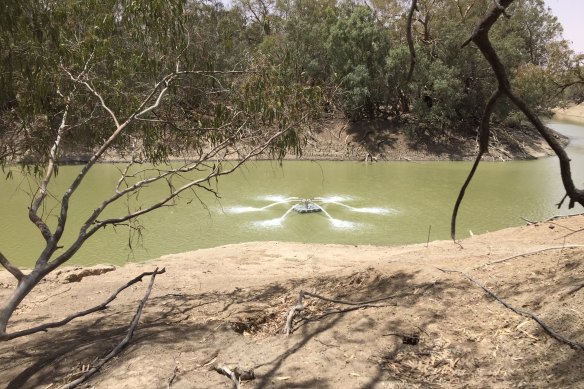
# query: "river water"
{"points": [[387, 203]]}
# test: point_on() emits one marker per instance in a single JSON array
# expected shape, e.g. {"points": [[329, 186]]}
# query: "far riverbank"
{"points": [[390, 140]]}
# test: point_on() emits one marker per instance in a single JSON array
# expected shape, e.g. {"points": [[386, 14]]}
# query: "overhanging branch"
{"points": [[480, 37]]}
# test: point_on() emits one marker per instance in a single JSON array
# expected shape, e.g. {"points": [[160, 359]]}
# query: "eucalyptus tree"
{"points": [[357, 47], [151, 79], [448, 89]]}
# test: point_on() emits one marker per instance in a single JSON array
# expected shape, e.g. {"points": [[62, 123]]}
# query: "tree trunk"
{"points": [[27, 284]]}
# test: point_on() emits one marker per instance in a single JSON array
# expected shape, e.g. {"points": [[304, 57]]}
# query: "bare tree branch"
{"points": [[124, 342], [480, 37], [484, 133], [550, 331], [42, 191], [92, 225], [11, 268], [45, 327]]}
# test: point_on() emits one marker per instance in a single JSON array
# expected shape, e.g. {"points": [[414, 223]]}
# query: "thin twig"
{"points": [[551, 332], [573, 232], [428, 240], [571, 246], [527, 220], [124, 341], [576, 289]]}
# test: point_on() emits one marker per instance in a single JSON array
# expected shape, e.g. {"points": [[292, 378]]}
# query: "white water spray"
{"points": [[274, 222], [336, 222]]}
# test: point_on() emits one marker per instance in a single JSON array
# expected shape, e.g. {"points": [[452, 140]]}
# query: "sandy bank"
{"points": [[573, 113], [228, 304]]}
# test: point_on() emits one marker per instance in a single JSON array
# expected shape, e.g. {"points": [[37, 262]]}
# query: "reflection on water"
{"points": [[383, 204]]}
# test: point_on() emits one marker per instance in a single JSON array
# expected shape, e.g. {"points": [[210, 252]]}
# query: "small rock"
{"points": [[78, 275]]}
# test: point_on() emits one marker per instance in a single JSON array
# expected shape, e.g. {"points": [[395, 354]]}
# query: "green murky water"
{"points": [[383, 204]]}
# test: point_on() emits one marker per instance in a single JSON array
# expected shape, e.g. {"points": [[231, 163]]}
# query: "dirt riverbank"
{"points": [[390, 140], [385, 140], [229, 305]]}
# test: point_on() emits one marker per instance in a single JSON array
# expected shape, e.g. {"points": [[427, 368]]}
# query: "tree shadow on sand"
{"points": [[189, 332]]}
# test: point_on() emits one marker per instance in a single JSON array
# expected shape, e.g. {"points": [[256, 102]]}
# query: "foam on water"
{"points": [[343, 224], [278, 198], [374, 210], [238, 209], [333, 199], [269, 223]]}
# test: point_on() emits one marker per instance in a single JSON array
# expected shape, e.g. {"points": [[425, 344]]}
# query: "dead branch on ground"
{"points": [[299, 307], [576, 289], [573, 233], [570, 246], [550, 331], [104, 305], [235, 374], [124, 342]]}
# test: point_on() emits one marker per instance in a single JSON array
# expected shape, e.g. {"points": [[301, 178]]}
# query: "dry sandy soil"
{"points": [[229, 304], [575, 112], [429, 328]]}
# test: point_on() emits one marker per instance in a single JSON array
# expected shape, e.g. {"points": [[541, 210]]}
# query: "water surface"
{"points": [[386, 203]]}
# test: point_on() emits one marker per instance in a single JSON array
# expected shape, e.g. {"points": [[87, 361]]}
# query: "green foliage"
{"points": [[294, 60], [122, 48], [357, 48]]}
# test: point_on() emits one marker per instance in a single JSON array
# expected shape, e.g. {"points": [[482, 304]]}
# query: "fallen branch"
{"points": [[559, 225], [570, 246], [236, 374], [551, 332], [45, 327], [530, 222], [561, 217], [299, 307], [573, 232], [576, 289], [124, 341], [342, 310]]}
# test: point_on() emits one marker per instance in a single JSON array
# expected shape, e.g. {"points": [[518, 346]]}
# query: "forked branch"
{"points": [[124, 342], [19, 275], [480, 37], [45, 327]]}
